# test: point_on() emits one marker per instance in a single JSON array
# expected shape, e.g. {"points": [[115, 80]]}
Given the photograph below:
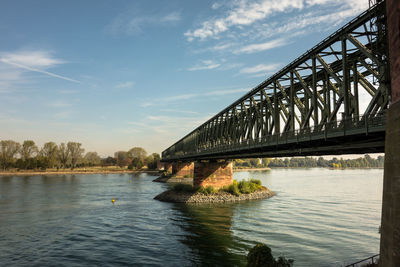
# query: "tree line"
{"points": [[309, 162], [28, 156]]}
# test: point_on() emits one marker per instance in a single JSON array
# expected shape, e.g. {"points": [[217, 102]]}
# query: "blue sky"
{"points": [[118, 74]]}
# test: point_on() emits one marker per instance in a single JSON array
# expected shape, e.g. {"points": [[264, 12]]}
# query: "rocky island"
{"points": [[237, 191]]}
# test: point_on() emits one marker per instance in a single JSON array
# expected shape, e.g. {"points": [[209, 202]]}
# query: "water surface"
{"points": [[319, 217]]}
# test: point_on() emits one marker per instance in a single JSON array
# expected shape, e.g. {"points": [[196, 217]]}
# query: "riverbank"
{"points": [[78, 171], [250, 169], [218, 197]]}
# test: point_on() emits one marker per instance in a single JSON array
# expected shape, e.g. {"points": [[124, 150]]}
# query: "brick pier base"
{"points": [[183, 169], [168, 167], [216, 174]]}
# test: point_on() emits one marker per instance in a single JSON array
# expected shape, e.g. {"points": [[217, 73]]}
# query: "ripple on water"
{"points": [[318, 218]]}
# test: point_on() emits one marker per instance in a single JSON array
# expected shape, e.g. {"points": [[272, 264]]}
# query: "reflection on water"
{"points": [[208, 233], [319, 217]]}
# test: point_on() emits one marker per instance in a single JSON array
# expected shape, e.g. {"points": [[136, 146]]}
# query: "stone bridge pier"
{"points": [[213, 173], [390, 225], [183, 169], [204, 173]]}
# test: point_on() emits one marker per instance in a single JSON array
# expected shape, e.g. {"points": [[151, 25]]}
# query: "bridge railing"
{"points": [[370, 260]]}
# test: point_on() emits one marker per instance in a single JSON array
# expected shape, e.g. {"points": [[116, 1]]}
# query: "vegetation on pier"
{"points": [[186, 193], [236, 188]]}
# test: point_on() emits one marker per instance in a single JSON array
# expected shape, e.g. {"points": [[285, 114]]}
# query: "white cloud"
{"points": [[190, 96], [59, 104], [168, 123], [216, 5], [261, 68], [130, 24], [9, 78], [179, 97], [63, 114], [261, 47], [68, 92], [34, 61], [226, 92], [220, 47], [122, 85], [137, 123], [179, 111], [302, 22], [205, 65], [244, 13], [171, 17]]}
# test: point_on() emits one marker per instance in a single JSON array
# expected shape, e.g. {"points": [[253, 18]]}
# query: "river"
{"points": [[319, 217]]}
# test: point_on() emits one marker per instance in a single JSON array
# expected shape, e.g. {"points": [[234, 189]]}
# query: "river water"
{"points": [[319, 217]]}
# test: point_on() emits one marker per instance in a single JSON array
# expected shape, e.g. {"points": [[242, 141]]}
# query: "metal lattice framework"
{"points": [[330, 100]]}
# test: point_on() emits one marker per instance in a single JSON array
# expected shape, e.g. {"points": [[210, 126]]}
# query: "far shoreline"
{"points": [[64, 172], [251, 169], [154, 172]]}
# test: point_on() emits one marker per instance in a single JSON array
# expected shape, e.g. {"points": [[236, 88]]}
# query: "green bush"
{"points": [[233, 188], [244, 187], [283, 262], [261, 255], [247, 187], [209, 190], [255, 181], [236, 188]]}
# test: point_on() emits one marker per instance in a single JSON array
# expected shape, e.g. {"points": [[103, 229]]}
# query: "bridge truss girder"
{"points": [[323, 90]]}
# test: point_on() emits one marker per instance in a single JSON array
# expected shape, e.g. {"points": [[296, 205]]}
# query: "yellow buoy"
{"points": [[113, 200]]}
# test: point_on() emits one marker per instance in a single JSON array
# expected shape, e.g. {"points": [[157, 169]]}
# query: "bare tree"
{"points": [[75, 152], [137, 153], [8, 150], [63, 154], [122, 158], [28, 150], [92, 158], [49, 152]]}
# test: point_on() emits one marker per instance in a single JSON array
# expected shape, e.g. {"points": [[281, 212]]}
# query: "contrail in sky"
{"points": [[37, 70]]}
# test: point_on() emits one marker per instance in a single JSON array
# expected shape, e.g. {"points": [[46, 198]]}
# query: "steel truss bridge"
{"points": [[316, 105]]}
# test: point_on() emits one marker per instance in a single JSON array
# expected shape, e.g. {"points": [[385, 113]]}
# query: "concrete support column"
{"points": [[183, 169], [213, 173], [390, 225]]}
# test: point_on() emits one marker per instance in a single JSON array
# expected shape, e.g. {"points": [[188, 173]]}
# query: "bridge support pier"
{"points": [[168, 167], [213, 173], [390, 225], [183, 169]]}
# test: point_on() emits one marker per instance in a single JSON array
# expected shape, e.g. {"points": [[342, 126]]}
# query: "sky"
{"points": [[113, 75]]}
